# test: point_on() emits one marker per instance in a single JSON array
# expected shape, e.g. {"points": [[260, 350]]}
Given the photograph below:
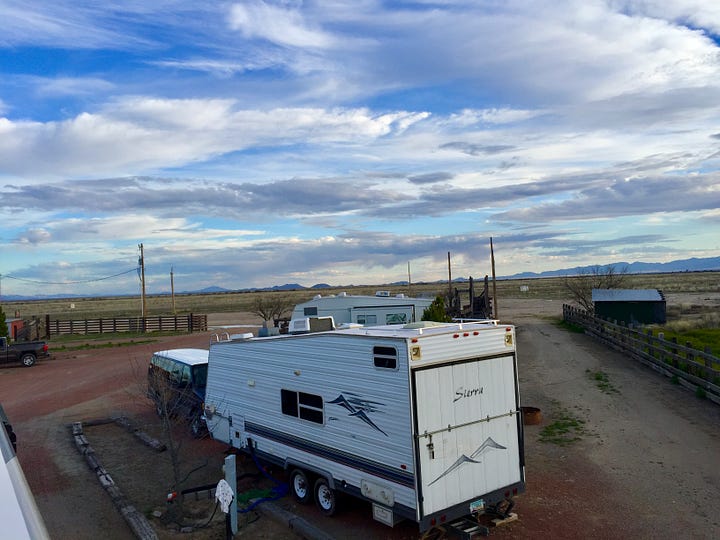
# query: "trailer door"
{"points": [[467, 431]]}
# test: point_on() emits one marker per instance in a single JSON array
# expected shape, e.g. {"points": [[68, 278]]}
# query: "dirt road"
{"points": [[645, 464]]}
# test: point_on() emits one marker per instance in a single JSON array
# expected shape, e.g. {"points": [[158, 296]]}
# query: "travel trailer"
{"points": [[375, 310], [423, 420]]}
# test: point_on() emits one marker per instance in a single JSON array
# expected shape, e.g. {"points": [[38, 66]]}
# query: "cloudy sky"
{"points": [[257, 143]]}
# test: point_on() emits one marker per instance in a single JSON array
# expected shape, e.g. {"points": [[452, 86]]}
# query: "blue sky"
{"points": [[257, 143]]}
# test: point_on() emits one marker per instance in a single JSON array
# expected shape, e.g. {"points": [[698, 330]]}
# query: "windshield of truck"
{"points": [[200, 376]]}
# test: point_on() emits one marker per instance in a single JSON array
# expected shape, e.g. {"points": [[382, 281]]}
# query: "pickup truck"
{"points": [[25, 352]]}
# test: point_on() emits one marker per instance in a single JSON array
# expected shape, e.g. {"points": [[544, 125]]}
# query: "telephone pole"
{"points": [[409, 281], [172, 289], [494, 298], [449, 278], [141, 262]]}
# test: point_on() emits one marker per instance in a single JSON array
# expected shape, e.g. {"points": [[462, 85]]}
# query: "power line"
{"points": [[68, 282]]}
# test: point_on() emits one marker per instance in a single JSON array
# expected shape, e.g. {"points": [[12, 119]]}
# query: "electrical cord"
{"points": [[277, 492]]}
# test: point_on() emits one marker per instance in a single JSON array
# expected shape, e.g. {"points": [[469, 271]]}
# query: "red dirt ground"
{"points": [[645, 466]]}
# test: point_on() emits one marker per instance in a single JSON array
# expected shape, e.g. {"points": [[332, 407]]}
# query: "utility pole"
{"points": [[449, 278], [141, 262], [172, 289], [409, 281], [492, 262]]}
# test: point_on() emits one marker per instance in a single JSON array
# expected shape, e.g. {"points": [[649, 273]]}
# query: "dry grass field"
{"points": [[688, 283]]}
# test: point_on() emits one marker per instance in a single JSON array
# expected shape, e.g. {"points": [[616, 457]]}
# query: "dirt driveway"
{"points": [[644, 465]]}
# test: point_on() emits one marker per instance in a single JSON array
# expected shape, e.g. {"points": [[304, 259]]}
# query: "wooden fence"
{"points": [[179, 323], [695, 369]]}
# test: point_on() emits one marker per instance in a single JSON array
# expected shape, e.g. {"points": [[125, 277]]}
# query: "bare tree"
{"points": [[271, 306], [173, 402], [597, 277]]}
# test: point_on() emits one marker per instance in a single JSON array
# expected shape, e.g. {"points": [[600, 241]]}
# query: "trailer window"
{"points": [[302, 405], [367, 320], [310, 311], [385, 357], [396, 318]]}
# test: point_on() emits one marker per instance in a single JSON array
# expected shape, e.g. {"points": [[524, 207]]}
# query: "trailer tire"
{"points": [[27, 359], [301, 486], [197, 426], [325, 497]]}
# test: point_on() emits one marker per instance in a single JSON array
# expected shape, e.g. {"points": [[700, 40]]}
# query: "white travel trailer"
{"points": [[423, 420], [375, 310]]}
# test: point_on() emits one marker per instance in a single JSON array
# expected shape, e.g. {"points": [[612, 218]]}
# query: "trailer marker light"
{"points": [[414, 340], [456, 336], [476, 333], [443, 518], [433, 522], [403, 467], [514, 491], [466, 334]]}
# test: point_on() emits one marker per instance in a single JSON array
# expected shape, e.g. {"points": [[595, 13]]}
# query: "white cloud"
{"points": [[699, 13], [134, 135], [277, 24]]}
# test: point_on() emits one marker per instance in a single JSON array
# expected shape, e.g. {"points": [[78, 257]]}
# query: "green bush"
{"points": [[436, 311], [3, 326]]}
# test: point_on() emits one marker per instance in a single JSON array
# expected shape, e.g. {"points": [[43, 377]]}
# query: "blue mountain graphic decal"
{"points": [[359, 408], [489, 444]]}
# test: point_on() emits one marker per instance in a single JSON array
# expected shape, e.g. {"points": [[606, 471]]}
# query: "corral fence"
{"points": [[694, 369], [175, 323]]}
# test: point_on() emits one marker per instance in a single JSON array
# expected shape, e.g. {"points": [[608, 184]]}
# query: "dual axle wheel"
{"points": [[302, 491]]}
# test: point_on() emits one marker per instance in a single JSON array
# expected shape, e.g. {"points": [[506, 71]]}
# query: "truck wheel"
{"points": [[300, 486], [325, 497], [27, 359]]}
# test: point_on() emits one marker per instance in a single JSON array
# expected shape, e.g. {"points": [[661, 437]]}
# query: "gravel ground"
{"points": [[644, 464]]}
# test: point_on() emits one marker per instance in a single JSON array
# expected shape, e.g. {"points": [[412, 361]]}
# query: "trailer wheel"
{"points": [[300, 486], [325, 497], [27, 359], [197, 426]]}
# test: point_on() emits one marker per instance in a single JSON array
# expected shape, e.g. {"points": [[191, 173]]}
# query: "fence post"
{"points": [[690, 357], [709, 368], [47, 326], [190, 322], [674, 352]]}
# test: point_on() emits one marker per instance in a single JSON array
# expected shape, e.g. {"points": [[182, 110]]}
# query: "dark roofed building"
{"points": [[646, 306]]}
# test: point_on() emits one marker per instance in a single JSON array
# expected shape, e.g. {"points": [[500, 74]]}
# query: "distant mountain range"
{"points": [[685, 265]]}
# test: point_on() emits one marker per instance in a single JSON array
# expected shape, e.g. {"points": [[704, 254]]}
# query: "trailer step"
{"points": [[467, 529]]}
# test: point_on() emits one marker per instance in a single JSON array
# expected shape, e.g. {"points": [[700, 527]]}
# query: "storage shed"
{"points": [[646, 306], [14, 326]]}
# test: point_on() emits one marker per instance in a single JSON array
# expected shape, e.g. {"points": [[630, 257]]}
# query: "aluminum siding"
{"points": [[245, 379]]}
